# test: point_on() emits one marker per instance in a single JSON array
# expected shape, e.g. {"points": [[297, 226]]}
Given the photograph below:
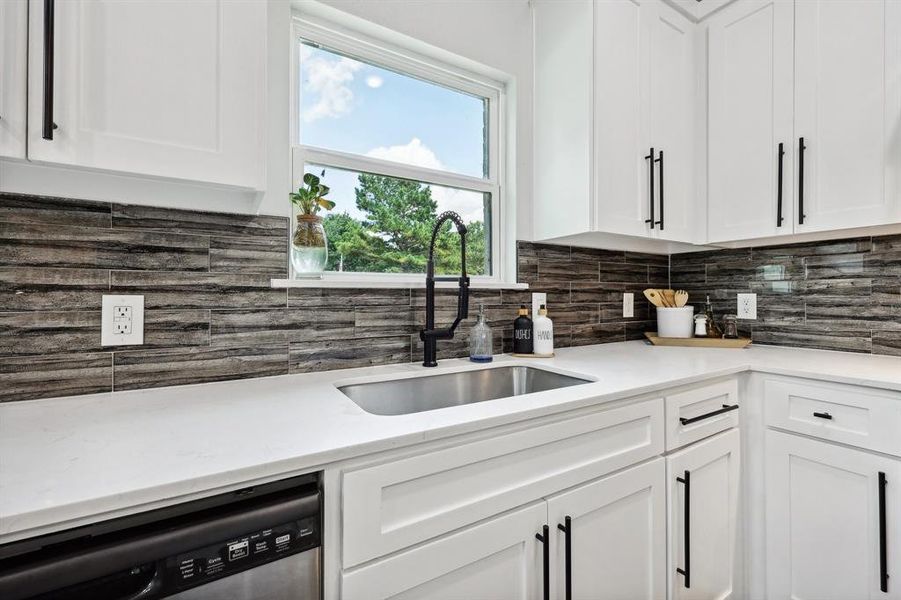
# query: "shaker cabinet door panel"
{"points": [[750, 115], [848, 110], [13, 63], [673, 97], [175, 91], [617, 528], [702, 481], [823, 531]]}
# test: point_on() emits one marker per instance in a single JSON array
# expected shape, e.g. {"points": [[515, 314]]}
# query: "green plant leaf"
{"points": [[326, 204], [311, 180]]}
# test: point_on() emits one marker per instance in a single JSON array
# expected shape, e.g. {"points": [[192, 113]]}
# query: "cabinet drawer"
{"points": [[839, 413], [393, 505], [700, 413]]}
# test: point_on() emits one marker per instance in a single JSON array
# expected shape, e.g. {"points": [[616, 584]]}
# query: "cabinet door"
{"points": [[616, 534], [823, 530], [171, 89], [848, 110], [621, 116], [499, 559], [673, 97], [703, 502], [13, 62], [749, 116]]}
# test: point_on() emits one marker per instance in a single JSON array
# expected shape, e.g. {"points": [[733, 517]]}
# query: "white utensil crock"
{"points": [[675, 322]]}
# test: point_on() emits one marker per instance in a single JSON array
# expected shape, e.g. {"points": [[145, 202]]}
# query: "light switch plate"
{"points": [[122, 321], [538, 298], [628, 305], [747, 306]]}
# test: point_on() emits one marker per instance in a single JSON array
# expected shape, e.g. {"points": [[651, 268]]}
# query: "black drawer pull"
{"points": [[567, 529], [823, 415], [726, 408], [686, 535], [883, 536], [650, 158], [544, 538]]}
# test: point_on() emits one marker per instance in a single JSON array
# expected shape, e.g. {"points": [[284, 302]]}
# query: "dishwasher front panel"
{"points": [[294, 577]]}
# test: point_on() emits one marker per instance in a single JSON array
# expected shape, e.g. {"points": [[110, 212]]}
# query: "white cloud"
{"points": [[328, 83], [467, 204], [374, 81]]}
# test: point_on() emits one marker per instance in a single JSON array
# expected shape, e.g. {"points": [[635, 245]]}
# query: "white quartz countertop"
{"points": [[66, 462]]}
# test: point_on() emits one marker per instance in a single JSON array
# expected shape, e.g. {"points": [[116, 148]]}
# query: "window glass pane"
{"points": [[384, 225], [355, 107]]}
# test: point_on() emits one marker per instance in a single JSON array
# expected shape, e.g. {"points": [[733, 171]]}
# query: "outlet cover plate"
{"points": [[747, 306], [628, 305], [538, 298], [122, 321]]}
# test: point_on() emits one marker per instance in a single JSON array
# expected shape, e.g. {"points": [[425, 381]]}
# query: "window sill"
{"points": [[328, 282]]}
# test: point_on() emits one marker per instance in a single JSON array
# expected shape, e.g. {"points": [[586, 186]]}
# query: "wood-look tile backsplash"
{"points": [[833, 295], [211, 315]]}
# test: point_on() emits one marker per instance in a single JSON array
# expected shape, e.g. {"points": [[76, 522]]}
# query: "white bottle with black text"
{"points": [[543, 333]]}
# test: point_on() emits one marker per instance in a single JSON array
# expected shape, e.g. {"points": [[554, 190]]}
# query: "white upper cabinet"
{"points": [[673, 98], [827, 72], [627, 69], [13, 62], [174, 91], [750, 120], [848, 111]]}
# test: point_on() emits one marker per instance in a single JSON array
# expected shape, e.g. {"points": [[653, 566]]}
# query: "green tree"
{"points": [[394, 235]]}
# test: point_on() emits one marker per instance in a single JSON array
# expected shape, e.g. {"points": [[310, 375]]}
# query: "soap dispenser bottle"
{"points": [[543, 333], [522, 332], [480, 339]]}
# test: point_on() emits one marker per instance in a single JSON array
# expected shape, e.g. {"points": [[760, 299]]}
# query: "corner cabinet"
{"points": [[13, 79], [628, 69], [804, 117], [132, 87]]}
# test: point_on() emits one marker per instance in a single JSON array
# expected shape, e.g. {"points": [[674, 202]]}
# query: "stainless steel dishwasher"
{"points": [[259, 543]]}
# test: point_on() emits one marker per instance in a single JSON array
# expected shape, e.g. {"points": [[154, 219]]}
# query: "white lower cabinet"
{"points": [[830, 512], [615, 528], [702, 481], [499, 559]]}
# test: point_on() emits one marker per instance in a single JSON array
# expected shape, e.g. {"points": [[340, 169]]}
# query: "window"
{"points": [[398, 140]]}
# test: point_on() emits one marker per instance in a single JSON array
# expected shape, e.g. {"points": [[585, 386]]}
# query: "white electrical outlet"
{"points": [[122, 321], [747, 306], [628, 305], [538, 298]]}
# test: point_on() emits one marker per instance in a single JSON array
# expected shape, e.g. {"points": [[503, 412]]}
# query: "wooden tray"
{"points": [[697, 342]]}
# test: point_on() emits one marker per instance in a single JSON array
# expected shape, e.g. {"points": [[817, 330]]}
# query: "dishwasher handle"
{"points": [[141, 548]]}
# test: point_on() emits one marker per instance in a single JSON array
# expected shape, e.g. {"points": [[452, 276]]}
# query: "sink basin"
{"points": [[430, 392]]}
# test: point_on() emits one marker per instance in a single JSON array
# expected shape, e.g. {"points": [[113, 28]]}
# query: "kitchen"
{"points": [[272, 276]]}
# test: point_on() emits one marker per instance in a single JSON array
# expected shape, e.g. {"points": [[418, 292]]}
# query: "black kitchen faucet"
{"points": [[429, 335]]}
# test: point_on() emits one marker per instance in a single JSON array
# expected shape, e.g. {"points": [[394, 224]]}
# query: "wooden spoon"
{"points": [[654, 297], [681, 298], [670, 297]]}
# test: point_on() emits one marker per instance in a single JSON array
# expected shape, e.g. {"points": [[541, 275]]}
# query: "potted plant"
{"points": [[309, 247]]}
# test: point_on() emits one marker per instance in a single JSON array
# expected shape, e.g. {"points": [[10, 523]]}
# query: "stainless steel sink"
{"points": [[417, 394]]}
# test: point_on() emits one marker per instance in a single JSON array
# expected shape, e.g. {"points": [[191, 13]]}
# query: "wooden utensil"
{"points": [[681, 298], [670, 298], [654, 297]]}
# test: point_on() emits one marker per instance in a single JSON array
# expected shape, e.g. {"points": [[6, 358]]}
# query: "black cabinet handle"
{"points": [[823, 415], [686, 537], [779, 218], [883, 539], [660, 160], [567, 529], [546, 560], [49, 20], [650, 159], [801, 148], [726, 408]]}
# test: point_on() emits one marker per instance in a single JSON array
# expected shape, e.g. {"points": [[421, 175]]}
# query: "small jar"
{"points": [[730, 327]]}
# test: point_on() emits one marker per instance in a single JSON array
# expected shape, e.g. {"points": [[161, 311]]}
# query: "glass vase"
{"points": [[309, 247]]}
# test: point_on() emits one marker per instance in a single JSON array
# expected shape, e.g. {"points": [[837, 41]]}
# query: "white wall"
{"points": [[495, 33]]}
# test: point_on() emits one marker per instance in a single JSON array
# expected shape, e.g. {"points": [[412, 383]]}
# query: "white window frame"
{"points": [[387, 54]]}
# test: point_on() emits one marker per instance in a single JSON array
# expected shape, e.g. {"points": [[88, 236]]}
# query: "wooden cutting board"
{"points": [[697, 342]]}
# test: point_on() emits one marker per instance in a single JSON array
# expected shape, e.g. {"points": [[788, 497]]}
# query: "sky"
{"points": [[351, 106]]}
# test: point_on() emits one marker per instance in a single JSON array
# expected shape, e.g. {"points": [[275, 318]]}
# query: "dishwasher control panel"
{"points": [[231, 556]]}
